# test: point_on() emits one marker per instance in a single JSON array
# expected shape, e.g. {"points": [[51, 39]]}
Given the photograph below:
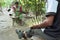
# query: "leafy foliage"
{"points": [[37, 6], [5, 2]]}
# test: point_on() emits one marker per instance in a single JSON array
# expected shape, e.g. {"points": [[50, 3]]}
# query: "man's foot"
{"points": [[17, 31], [21, 34]]}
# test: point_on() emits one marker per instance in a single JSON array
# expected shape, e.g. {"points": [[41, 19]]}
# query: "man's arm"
{"points": [[14, 8], [20, 9], [46, 23]]}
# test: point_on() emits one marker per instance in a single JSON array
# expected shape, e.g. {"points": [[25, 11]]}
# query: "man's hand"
{"points": [[35, 27]]}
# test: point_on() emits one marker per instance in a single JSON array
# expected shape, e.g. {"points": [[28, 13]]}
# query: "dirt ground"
{"points": [[10, 34]]}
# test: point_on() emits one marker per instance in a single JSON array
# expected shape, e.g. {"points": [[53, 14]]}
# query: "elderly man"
{"points": [[51, 23]]}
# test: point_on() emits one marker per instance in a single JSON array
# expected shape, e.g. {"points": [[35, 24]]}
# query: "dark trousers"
{"points": [[37, 33]]}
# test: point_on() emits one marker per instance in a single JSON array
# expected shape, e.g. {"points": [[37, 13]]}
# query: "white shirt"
{"points": [[51, 6]]}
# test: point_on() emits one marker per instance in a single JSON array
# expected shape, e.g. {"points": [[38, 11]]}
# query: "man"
{"points": [[51, 23], [18, 11]]}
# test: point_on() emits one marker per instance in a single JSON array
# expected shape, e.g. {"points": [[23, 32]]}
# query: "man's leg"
{"points": [[36, 34], [39, 35]]}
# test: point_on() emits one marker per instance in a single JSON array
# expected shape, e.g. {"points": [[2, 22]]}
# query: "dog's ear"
{"points": [[9, 10]]}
